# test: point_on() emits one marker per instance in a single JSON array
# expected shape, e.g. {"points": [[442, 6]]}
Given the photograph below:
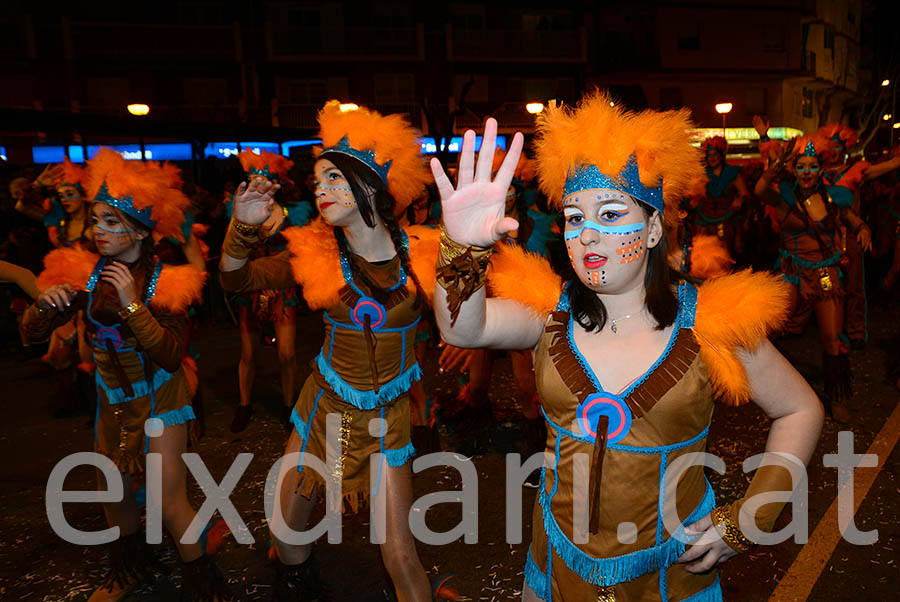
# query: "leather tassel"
{"points": [[117, 368], [597, 453], [370, 348]]}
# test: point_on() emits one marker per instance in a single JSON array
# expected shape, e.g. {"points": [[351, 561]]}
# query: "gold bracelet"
{"points": [[244, 228], [129, 309], [729, 531], [453, 249]]}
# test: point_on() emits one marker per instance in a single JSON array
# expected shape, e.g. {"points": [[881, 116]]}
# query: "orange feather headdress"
{"points": [[387, 144], [524, 168], [272, 166], [840, 134], [150, 192], [73, 175], [647, 155]]}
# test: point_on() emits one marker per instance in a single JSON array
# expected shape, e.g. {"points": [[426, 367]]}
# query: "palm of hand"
{"points": [[473, 211], [251, 207]]}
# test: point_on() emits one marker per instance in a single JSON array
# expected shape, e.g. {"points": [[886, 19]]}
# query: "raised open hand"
{"points": [[253, 202], [473, 213], [761, 125], [51, 176]]}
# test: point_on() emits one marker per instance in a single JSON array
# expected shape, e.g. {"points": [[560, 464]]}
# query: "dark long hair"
{"points": [[660, 299], [146, 262], [361, 179]]}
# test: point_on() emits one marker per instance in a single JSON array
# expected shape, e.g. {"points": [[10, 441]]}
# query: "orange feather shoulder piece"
{"points": [[316, 262], [179, 286], [524, 277], [67, 266], [424, 248], [737, 311]]}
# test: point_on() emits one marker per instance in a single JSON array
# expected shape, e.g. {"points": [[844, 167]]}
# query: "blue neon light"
{"points": [[429, 145], [3, 153], [177, 151], [287, 146]]}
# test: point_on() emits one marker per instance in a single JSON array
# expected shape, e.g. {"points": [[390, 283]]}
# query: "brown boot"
{"points": [[131, 562], [838, 389]]}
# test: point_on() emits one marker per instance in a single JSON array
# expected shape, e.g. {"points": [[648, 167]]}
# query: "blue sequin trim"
{"points": [[125, 205], [95, 275], [534, 577], [348, 272], [179, 416], [627, 181], [400, 456], [367, 157]]}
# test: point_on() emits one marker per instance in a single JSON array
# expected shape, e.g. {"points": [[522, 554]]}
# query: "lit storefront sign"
{"points": [[429, 145], [174, 151], [745, 136]]}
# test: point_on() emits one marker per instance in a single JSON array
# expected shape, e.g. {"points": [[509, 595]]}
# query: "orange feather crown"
{"points": [[272, 166], [388, 144], [838, 134], [150, 192], [647, 155], [73, 175], [811, 145]]}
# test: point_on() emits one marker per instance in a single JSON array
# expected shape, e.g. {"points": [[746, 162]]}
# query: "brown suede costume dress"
{"points": [[139, 372], [362, 374], [594, 493]]}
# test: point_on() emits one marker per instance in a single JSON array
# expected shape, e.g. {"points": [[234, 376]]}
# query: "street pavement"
{"points": [[35, 564]]}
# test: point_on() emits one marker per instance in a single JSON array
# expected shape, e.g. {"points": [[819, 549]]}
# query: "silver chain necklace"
{"points": [[613, 322]]}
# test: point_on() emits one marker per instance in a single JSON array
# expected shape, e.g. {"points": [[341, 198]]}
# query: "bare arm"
{"points": [[193, 253], [873, 172], [474, 215], [253, 205]]}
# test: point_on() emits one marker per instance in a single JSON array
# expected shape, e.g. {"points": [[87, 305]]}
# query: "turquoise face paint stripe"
{"points": [[123, 230], [617, 230]]}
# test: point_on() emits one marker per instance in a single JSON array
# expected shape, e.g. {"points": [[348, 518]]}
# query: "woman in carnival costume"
{"points": [[360, 267], [810, 215], [662, 348], [277, 305], [717, 213], [840, 170], [135, 311]]}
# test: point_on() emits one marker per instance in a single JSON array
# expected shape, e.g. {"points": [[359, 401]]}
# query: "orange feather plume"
{"points": [[709, 257], [595, 133], [391, 137], [278, 165], [735, 312], [151, 184], [71, 265], [718, 143], [74, 175], [513, 266], [847, 135]]}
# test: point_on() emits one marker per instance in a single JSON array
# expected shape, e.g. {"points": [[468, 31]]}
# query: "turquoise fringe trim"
{"points": [[299, 425], [179, 416], [810, 265], [535, 579], [141, 388], [626, 567], [399, 457], [368, 400]]}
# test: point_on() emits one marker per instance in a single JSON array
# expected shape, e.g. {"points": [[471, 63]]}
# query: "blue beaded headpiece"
{"points": [[264, 172], [367, 157], [126, 206], [628, 181], [809, 151]]}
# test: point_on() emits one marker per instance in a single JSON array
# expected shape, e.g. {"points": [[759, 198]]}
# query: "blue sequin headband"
{"points": [[628, 181], [367, 157], [264, 172], [126, 206]]}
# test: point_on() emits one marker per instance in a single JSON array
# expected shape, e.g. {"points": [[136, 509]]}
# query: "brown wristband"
{"points": [[241, 239], [461, 271]]}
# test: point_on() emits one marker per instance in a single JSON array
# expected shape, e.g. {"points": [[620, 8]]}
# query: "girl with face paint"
{"points": [[811, 214], [134, 311], [628, 356], [361, 268]]}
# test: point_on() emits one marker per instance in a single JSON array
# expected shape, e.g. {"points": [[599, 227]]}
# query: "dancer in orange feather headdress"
{"points": [[134, 308], [360, 267], [628, 357]]}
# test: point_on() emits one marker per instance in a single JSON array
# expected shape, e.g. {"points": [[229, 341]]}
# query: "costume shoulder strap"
{"points": [[424, 248], [734, 312], [315, 263], [69, 265], [178, 287], [786, 189], [524, 277]]}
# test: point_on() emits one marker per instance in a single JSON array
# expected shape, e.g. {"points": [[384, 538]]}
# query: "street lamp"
{"points": [[897, 126], [723, 109], [885, 83], [886, 116], [138, 109], [348, 106]]}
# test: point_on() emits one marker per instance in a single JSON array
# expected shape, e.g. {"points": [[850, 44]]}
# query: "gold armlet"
{"points": [[729, 530]]}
